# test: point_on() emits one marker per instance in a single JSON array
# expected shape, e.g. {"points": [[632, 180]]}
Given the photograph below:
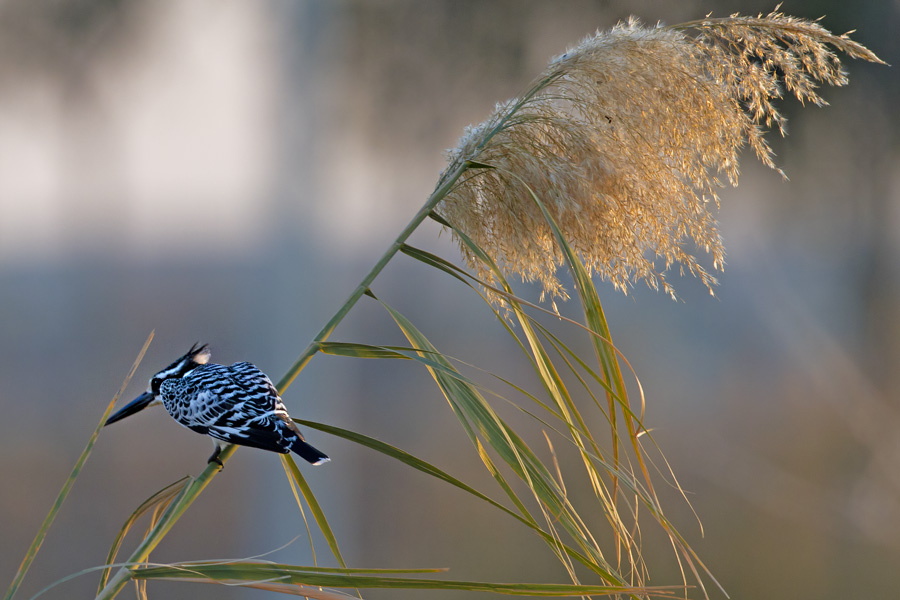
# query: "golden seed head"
{"points": [[626, 139]]}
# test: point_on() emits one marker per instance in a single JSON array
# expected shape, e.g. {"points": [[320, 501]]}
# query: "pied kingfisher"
{"points": [[233, 405]]}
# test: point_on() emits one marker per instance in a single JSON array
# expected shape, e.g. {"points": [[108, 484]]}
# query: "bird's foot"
{"points": [[215, 458]]}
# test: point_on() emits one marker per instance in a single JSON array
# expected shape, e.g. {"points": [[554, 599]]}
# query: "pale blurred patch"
{"points": [[140, 146]]}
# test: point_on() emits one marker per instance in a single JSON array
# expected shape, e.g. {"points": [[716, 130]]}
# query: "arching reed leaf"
{"points": [[168, 519], [607, 165], [305, 591], [611, 381], [480, 420], [156, 503], [353, 350], [609, 362], [429, 469], [289, 574], [318, 514], [70, 481], [553, 384]]}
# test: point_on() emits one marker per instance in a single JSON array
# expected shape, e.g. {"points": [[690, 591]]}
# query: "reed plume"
{"points": [[617, 151], [627, 138]]}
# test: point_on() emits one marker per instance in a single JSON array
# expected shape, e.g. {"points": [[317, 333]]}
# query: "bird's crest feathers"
{"points": [[201, 356]]}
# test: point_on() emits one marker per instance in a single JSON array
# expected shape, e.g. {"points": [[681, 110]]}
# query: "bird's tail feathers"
{"points": [[308, 453]]}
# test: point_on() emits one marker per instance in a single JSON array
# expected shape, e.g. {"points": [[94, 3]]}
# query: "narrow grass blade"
{"points": [[305, 591], [418, 464], [352, 350], [159, 500], [421, 355], [435, 261], [429, 469], [517, 304], [596, 322], [506, 293], [187, 565], [543, 366], [165, 523], [606, 354], [314, 506], [610, 380], [446, 183], [296, 492], [67, 486], [555, 388], [403, 457], [480, 421], [289, 574]]}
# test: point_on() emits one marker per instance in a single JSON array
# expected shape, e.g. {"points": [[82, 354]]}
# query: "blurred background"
{"points": [[226, 172]]}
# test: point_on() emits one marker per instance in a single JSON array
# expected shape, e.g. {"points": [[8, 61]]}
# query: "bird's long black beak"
{"points": [[136, 405]]}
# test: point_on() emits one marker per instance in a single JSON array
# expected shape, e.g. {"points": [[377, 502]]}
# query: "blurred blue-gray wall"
{"points": [[226, 172]]}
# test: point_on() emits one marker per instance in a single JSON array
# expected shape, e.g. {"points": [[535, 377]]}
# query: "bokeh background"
{"points": [[226, 171]]}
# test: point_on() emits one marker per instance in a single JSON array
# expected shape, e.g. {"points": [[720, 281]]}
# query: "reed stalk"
{"points": [[196, 487], [609, 164]]}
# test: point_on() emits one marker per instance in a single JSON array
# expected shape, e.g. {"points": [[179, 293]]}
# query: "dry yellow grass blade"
{"points": [[70, 481]]}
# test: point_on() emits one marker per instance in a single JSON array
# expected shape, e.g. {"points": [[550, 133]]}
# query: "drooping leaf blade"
{"points": [[479, 419], [70, 481], [294, 575], [160, 499], [314, 506], [428, 468]]}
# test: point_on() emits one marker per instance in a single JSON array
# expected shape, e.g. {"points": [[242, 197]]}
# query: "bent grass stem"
{"points": [[193, 491]]}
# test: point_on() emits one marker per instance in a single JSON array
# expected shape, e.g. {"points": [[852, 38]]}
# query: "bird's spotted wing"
{"points": [[236, 404], [252, 379]]}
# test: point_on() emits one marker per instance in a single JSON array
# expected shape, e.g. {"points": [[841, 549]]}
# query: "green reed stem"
{"points": [[444, 187], [177, 508], [67, 486]]}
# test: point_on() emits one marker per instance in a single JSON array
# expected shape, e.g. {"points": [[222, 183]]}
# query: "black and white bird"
{"points": [[233, 405]]}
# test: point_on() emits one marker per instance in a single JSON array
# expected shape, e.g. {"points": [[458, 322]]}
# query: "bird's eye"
{"points": [[154, 384]]}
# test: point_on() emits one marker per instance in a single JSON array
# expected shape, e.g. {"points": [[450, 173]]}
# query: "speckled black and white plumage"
{"points": [[235, 405]]}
